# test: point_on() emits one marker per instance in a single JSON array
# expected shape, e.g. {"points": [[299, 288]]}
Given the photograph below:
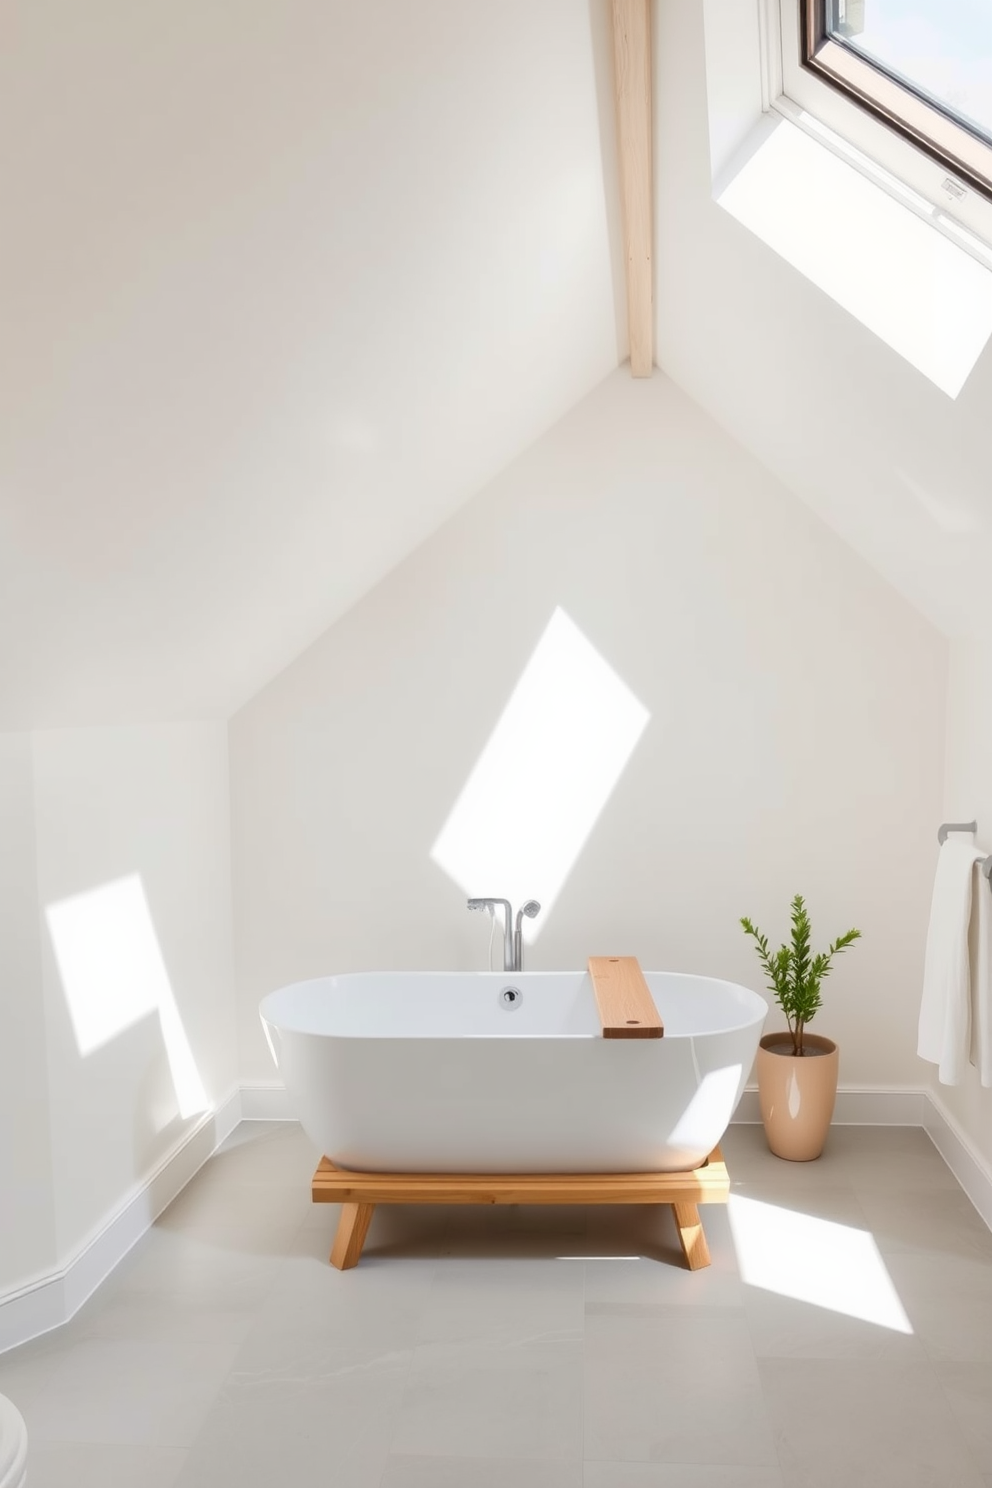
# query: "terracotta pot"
{"points": [[796, 1094]]}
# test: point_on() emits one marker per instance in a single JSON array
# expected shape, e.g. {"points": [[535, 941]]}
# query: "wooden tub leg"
{"points": [[353, 1226], [691, 1237]]}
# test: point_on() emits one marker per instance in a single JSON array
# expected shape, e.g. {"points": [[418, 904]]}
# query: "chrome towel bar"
{"points": [[971, 826]]}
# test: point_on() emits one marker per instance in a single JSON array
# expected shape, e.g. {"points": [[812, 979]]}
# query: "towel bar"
{"points": [[971, 826], [946, 827]]}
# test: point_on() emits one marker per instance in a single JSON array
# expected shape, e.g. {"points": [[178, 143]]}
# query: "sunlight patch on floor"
{"points": [[814, 1260]]}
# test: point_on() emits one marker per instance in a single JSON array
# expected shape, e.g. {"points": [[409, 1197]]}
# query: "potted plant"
{"points": [[797, 1071]]}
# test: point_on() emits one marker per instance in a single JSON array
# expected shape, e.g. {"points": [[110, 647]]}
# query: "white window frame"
{"points": [[932, 189]]}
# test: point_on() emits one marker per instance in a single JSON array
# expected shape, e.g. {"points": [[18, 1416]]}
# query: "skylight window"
{"points": [[940, 53], [879, 225], [906, 82]]}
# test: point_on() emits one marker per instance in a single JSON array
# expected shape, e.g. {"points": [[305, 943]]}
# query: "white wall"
{"points": [[120, 971], [27, 1228], [968, 797], [795, 740]]}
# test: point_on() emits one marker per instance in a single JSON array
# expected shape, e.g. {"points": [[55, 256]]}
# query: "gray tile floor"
{"points": [[842, 1337]]}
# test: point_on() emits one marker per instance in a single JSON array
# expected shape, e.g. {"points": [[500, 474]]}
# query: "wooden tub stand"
{"points": [[358, 1194]]}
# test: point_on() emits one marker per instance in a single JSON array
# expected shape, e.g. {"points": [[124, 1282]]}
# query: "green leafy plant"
{"points": [[794, 974]]}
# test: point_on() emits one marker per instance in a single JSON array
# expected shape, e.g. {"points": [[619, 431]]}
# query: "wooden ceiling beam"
{"points": [[632, 65]]}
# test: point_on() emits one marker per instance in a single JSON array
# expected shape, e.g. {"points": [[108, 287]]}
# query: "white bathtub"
{"points": [[430, 1072]]}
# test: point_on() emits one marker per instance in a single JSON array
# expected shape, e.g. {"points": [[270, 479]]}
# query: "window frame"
{"points": [[901, 133], [931, 128]]}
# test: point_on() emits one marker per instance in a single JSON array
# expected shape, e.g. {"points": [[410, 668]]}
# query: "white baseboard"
{"points": [[265, 1103], [895, 1106], [968, 1166], [54, 1298]]}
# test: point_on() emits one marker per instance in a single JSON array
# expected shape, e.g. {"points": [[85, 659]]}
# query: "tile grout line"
{"points": [[959, 1425], [757, 1362], [585, 1330], [409, 1368]]}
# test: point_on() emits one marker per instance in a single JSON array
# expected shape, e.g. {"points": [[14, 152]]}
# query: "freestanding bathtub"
{"points": [[443, 1072]]}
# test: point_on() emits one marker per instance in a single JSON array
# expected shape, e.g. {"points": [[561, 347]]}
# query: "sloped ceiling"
{"points": [[283, 284]]}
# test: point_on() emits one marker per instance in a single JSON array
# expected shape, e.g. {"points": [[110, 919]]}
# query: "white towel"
{"points": [[945, 1032], [980, 943]]}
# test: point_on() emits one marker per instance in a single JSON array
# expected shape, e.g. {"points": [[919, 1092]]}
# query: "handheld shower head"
{"points": [[530, 909]]}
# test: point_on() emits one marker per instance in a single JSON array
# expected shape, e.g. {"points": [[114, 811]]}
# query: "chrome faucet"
{"points": [[513, 946]]}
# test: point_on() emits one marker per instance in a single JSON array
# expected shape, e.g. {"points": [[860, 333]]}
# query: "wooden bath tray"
{"points": [[358, 1194], [623, 997]]}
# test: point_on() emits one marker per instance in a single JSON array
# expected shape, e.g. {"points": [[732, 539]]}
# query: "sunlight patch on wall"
{"points": [[544, 776], [113, 975], [925, 297], [814, 1260]]}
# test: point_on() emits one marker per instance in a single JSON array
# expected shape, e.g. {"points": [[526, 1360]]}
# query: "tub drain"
{"points": [[510, 998]]}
